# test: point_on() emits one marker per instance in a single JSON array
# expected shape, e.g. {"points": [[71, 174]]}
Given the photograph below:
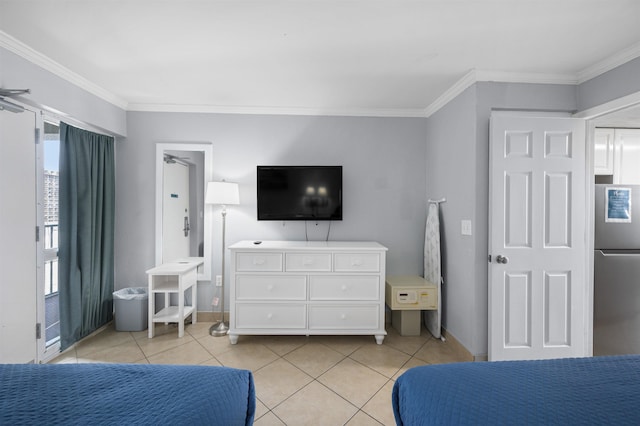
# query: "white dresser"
{"points": [[306, 288]]}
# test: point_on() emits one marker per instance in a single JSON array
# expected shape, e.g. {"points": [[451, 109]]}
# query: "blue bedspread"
{"points": [[578, 391], [124, 394]]}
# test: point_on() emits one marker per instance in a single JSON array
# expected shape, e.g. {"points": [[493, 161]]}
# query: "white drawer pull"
{"points": [[344, 287], [356, 262], [269, 316], [343, 316], [270, 287], [307, 261], [258, 261]]}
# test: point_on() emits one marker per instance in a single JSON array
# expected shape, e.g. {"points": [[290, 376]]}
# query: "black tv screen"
{"points": [[299, 192]]}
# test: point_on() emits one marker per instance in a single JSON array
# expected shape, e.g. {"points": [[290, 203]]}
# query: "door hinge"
{"points": [[489, 258], [38, 331], [37, 135], [37, 234]]}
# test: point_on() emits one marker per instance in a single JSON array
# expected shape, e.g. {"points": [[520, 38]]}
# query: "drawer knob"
{"points": [[269, 316], [270, 287], [343, 316], [258, 261], [307, 261], [356, 262], [344, 287]]}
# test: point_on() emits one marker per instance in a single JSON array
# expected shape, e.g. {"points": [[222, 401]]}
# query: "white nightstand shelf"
{"points": [[173, 278], [172, 314]]}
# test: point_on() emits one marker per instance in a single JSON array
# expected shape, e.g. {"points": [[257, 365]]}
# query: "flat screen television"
{"points": [[299, 192]]}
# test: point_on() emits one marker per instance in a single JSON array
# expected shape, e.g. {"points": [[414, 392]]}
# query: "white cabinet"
{"points": [[617, 153], [627, 158], [603, 152], [307, 287]]}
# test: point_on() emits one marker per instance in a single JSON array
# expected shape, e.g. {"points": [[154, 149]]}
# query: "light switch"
{"points": [[465, 227]]}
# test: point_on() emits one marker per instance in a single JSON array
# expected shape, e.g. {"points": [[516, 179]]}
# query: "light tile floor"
{"points": [[322, 380]]}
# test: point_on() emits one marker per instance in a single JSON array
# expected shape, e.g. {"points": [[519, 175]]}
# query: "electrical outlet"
{"points": [[218, 280], [465, 227]]}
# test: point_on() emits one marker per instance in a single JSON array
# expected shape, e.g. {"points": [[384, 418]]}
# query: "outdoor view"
{"points": [[51, 179]]}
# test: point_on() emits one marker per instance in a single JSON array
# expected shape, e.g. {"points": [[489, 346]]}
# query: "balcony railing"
{"points": [[52, 311], [50, 258]]}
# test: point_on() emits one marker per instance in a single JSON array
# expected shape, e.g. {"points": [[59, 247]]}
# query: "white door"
{"points": [[18, 237], [175, 211], [537, 238]]}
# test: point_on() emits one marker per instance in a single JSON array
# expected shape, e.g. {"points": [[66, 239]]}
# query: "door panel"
{"points": [[557, 210], [17, 236], [537, 275], [517, 308], [518, 214]]}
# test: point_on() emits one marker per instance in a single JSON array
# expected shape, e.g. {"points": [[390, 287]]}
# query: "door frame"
{"points": [[45, 353], [590, 115]]}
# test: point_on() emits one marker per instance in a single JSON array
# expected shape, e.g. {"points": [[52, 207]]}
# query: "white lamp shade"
{"points": [[222, 193]]}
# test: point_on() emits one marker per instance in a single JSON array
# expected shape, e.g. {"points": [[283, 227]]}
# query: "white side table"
{"points": [[170, 278]]}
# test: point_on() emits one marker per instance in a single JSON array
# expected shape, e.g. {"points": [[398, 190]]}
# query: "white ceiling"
{"points": [[347, 57]]}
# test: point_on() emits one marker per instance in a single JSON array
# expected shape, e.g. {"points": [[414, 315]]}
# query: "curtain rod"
{"points": [[61, 117]]}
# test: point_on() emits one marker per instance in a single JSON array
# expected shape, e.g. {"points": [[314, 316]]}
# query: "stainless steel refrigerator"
{"points": [[617, 270]]}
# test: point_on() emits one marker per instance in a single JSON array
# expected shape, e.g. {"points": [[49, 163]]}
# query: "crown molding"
{"points": [[630, 53], [250, 110], [451, 93], [19, 48], [475, 76]]}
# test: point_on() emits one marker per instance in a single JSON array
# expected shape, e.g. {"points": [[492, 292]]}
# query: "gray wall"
{"points": [[451, 174], [621, 81], [458, 169], [383, 181], [51, 92]]}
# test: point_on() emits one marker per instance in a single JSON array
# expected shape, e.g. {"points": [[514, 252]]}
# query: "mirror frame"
{"points": [[204, 272]]}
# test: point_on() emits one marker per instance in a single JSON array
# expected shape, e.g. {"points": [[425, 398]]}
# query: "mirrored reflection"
{"points": [[182, 205]]}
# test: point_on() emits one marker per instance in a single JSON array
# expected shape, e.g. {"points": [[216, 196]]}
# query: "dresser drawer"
{"points": [[354, 317], [271, 287], [270, 316], [358, 262], [259, 262], [309, 262], [344, 287]]}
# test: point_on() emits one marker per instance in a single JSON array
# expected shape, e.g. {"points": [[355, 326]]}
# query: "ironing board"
{"points": [[432, 265]]}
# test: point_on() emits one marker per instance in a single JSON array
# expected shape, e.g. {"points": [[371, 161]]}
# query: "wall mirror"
{"points": [[183, 221]]}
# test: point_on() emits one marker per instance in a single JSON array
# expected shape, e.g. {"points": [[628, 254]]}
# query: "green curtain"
{"points": [[86, 232]]}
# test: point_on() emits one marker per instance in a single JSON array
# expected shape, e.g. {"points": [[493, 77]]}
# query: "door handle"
{"points": [[186, 228], [502, 259]]}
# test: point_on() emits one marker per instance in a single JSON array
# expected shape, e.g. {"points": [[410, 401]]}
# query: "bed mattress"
{"points": [[124, 394], [578, 391]]}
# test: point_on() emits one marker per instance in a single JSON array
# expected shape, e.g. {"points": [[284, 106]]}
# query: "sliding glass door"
{"points": [[49, 313]]}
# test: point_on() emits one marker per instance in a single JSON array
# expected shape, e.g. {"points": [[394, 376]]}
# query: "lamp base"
{"points": [[218, 329]]}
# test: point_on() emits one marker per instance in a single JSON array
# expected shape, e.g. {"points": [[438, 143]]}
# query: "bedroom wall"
{"points": [[451, 165], [458, 169], [383, 167], [616, 83], [53, 93]]}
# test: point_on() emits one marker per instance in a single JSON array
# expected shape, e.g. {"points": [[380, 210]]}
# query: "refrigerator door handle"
{"points": [[619, 254]]}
